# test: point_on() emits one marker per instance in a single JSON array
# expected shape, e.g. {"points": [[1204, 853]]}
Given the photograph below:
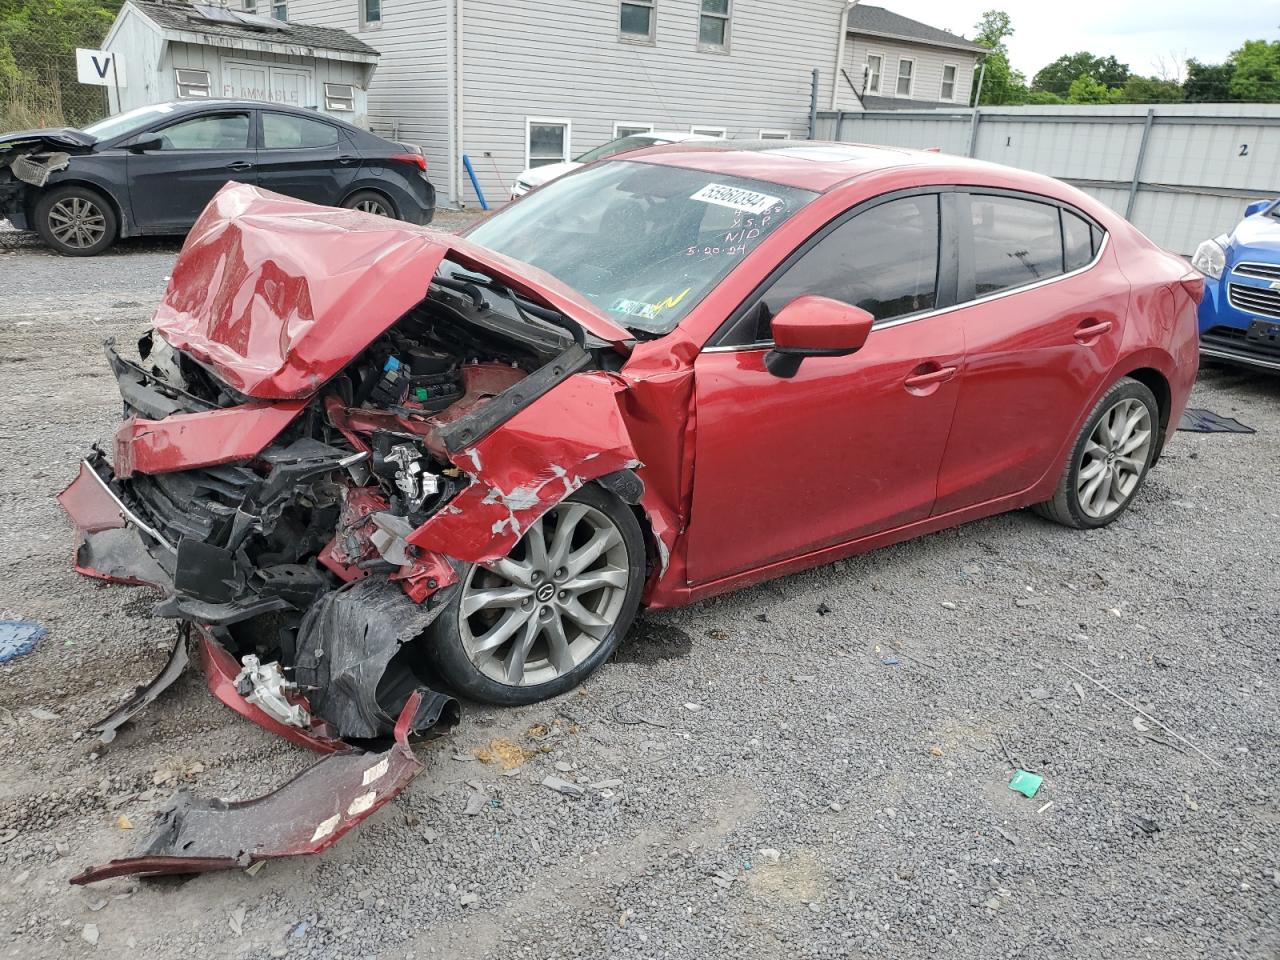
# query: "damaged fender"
{"points": [[528, 465], [305, 816]]}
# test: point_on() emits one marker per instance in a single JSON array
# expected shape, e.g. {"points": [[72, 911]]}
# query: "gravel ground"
{"points": [[811, 768]]}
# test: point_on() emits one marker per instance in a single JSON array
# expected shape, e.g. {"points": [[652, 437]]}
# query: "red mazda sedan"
{"points": [[375, 459]]}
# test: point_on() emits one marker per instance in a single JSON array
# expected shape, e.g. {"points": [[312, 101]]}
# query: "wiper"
{"points": [[461, 280]]}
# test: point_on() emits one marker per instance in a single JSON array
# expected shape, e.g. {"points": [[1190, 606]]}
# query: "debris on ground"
{"points": [[18, 638], [506, 753], [563, 786], [1026, 783], [1197, 420]]}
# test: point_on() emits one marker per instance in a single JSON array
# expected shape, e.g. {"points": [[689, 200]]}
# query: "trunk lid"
{"points": [[277, 295]]}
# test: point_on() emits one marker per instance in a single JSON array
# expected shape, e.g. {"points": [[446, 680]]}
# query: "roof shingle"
{"points": [[878, 20], [183, 16]]}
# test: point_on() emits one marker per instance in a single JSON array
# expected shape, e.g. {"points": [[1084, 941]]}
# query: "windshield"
{"points": [[643, 242], [621, 145], [129, 121]]}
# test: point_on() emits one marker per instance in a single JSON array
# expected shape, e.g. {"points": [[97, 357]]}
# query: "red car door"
{"points": [[1041, 337], [850, 445]]}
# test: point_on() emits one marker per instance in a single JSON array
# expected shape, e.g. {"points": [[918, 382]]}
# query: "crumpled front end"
{"points": [[308, 542]]}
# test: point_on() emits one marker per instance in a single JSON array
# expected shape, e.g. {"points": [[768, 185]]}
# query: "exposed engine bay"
{"points": [[30, 159], [300, 557]]}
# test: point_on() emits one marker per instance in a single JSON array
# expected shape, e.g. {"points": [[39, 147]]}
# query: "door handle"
{"points": [[1090, 330], [240, 165], [929, 378], [347, 161]]}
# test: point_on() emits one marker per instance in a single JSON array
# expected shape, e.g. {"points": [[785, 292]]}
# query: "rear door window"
{"points": [[1015, 242], [286, 131], [884, 260], [1077, 237]]}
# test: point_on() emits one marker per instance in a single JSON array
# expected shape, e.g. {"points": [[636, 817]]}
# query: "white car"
{"points": [[537, 176]]}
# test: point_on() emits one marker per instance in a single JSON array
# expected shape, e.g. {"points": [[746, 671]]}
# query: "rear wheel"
{"points": [[370, 201], [76, 221], [1109, 460], [537, 622]]}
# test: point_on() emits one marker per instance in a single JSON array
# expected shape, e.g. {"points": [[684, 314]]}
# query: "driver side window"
{"points": [[884, 260]]}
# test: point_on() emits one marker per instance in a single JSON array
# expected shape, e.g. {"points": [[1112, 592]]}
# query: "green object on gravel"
{"points": [[1026, 783]]}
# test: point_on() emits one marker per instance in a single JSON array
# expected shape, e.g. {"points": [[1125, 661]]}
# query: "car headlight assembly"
{"points": [[1211, 257]]}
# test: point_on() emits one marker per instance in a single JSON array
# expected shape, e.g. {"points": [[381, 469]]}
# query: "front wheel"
{"points": [[75, 221], [538, 622], [1109, 460]]}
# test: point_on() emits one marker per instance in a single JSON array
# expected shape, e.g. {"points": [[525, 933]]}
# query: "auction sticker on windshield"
{"points": [[736, 198]]}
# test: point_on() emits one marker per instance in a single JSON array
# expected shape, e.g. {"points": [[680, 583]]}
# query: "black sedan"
{"points": [[152, 170]]}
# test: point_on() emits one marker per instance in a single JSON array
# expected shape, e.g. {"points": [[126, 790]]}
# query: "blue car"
{"points": [[1240, 313]]}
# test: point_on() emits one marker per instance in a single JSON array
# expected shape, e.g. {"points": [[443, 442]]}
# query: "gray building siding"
{"points": [[929, 63], [410, 95], [564, 60]]}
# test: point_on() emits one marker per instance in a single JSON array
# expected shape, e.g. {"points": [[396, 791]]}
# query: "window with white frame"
{"points": [[621, 129], [948, 81], [546, 142], [370, 14], [874, 71], [192, 84], [717, 132], [636, 20], [280, 9], [775, 134], [713, 25], [339, 97], [906, 76]]}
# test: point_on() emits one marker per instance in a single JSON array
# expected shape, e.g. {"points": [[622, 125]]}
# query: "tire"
{"points": [[76, 221], [1127, 418], [370, 201], [459, 641]]}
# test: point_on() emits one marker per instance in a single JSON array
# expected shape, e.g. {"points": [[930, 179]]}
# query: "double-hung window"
{"points": [[948, 82], [713, 26], [636, 20], [906, 76], [874, 71], [546, 142]]}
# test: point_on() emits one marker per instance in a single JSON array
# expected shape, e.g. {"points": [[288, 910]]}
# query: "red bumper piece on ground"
{"points": [[305, 816]]}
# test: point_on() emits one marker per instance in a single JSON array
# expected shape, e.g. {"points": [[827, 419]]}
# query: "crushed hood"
{"points": [[277, 295], [53, 138], [1257, 234]]}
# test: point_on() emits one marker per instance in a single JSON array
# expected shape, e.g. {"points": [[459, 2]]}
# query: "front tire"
{"points": [[1109, 460], [539, 621], [76, 221]]}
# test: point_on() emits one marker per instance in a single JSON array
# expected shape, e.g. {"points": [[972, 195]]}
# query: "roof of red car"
{"points": [[806, 164]]}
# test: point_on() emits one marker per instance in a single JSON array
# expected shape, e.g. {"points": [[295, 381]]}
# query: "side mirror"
{"points": [[814, 326], [145, 144], [1257, 207]]}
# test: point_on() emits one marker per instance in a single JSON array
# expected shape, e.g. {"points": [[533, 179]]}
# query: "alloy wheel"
{"points": [[1114, 458], [77, 222], [537, 614], [372, 206]]}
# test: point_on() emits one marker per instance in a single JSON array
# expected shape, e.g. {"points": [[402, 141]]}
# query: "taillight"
{"points": [[417, 159]]}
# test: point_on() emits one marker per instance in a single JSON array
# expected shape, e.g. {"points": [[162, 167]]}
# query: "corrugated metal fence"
{"points": [[1180, 172]]}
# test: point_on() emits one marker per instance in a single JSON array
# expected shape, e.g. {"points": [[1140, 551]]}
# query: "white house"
{"points": [[172, 50]]}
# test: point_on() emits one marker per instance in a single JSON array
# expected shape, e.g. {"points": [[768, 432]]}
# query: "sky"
{"points": [[1137, 32]]}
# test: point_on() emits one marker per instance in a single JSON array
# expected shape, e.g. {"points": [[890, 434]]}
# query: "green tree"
{"points": [[1001, 84], [1088, 90], [1208, 82], [1257, 72], [1151, 90], [1058, 76]]}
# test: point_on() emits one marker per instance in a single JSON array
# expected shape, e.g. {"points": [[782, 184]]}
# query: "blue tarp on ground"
{"points": [[18, 637]]}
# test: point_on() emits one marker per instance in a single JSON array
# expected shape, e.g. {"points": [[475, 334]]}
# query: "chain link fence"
{"points": [[38, 40]]}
